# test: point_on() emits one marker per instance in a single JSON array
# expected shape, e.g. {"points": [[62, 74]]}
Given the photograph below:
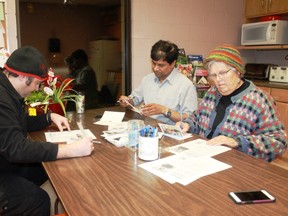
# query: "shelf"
{"points": [[264, 47]]}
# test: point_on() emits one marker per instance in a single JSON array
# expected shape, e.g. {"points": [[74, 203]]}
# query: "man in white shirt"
{"points": [[167, 95]]}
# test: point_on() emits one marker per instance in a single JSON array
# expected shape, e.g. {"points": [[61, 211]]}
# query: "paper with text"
{"points": [[184, 169], [67, 136], [198, 148]]}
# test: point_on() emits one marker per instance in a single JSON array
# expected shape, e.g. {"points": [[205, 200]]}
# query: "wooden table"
{"points": [[109, 182]]}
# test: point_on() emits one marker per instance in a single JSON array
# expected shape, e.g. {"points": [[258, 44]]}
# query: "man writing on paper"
{"points": [[166, 93], [21, 172]]}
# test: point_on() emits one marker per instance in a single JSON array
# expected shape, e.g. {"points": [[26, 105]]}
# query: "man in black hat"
{"points": [[21, 172]]}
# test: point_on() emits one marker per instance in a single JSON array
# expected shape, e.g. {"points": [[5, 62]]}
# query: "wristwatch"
{"points": [[168, 113]]}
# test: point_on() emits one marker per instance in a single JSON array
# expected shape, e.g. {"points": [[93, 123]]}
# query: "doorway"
{"points": [[73, 24]]}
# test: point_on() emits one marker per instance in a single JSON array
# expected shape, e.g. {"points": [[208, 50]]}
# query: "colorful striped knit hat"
{"points": [[227, 54]]}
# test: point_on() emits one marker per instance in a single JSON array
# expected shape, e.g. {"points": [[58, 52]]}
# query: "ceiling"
{"points": [[101, 3]]}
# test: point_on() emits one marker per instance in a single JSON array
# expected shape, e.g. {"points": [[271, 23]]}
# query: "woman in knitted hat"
{"points": [[236, 113]]}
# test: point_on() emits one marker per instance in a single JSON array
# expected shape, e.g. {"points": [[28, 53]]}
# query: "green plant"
{"points": [[54, 90]]}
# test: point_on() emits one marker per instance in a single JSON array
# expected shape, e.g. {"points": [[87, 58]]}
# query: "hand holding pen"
{"points": [[184, 126], [125, 101]]}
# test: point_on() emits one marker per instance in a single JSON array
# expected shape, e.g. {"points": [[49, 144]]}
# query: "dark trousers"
{"points": [[20, 192]]}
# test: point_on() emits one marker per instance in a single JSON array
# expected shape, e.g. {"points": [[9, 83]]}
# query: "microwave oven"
{"points": [[265, 33]]}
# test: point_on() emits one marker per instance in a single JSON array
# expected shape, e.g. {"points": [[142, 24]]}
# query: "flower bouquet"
{"points": [[53, 91]]}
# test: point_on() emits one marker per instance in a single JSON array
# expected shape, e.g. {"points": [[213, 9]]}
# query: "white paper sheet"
{"points": [[111, 117], [198, 148], [192, 160], [184, 169], [67, 136]]}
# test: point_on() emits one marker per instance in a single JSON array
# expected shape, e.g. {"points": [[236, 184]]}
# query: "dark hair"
{"points": [[164, 50], [28, 81], [78, 55]]}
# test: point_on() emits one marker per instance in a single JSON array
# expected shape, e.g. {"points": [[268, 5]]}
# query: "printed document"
{"points": [[67, 136], [191, 161], [198, 148]]}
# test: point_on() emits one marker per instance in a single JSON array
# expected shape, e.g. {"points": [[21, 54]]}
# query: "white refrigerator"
{"points": [[104, 57]]}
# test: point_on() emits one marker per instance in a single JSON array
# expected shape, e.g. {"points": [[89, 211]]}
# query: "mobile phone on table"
{"points": [[250, 197]]}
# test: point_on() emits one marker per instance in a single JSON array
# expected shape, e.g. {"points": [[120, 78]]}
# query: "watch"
{"points": [[168, 113]]}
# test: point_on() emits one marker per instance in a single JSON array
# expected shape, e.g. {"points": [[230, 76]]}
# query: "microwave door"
{"points": [[255, 35]]}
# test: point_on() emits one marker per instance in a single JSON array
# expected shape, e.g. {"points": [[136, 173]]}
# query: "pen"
{"points": [[83, 132], [131, 105], [181, 117], [80, 126]]}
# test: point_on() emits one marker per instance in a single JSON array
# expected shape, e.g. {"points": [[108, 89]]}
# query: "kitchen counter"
{"points": [[266, 83]]}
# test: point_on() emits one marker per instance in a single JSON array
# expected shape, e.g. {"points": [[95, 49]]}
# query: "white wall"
{"points": [[197, 26], [11, 27]]}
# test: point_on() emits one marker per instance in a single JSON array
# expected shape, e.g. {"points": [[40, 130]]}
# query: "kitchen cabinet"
{"points": [[258, 8], [281, 99]]}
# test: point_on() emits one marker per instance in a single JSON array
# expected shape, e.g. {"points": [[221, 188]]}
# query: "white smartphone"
{"points": [[249, 197]]}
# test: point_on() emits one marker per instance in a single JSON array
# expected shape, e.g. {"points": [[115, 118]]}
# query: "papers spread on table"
{"points": [[192, 160], [67, 136], [173, 131], [117, 134], [110, 118]]}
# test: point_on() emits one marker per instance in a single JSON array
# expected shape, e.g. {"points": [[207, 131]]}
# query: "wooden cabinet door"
{"points": [[265, 89], [258, 8], [277, 6], [255, 8], [280, 95], [282, 109]]}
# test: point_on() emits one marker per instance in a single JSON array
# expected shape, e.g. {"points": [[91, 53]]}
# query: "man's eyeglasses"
{"points": [[221, 74]]}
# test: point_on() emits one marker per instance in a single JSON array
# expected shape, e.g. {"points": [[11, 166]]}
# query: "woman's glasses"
{"points": [[221, 75]]}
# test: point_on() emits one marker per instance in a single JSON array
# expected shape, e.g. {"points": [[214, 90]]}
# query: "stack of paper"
{"points": [[192, 160], [117, 134]]}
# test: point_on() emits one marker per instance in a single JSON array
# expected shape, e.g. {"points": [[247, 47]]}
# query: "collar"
{"points": [[240, 93], [170, 78]]}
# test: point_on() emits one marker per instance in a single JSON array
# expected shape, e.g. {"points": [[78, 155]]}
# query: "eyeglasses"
{"points": [[221, 74]]}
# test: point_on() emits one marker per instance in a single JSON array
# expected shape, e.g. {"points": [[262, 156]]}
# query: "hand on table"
{"points": [[223, 140], [79, 148]]}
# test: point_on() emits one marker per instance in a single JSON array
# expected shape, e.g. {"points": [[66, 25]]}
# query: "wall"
{"points": [[74, 26], [197, 26], [11, 27]]}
